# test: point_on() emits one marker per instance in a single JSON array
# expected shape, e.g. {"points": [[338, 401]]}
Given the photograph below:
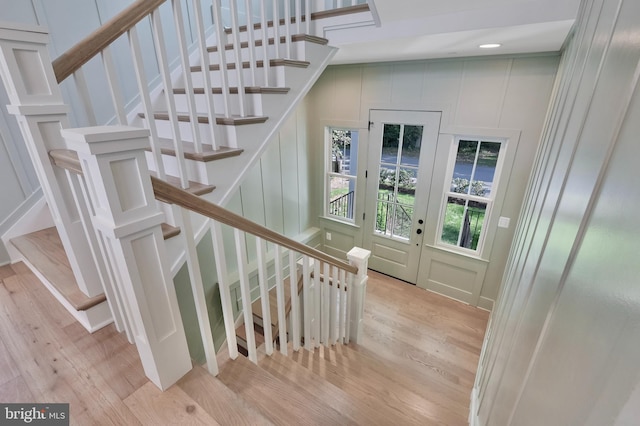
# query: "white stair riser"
{"points": [[253, 102]]}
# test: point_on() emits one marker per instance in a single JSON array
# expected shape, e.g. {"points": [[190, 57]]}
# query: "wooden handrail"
{"points": [[168, 193], [78, 55], [171, 194]]}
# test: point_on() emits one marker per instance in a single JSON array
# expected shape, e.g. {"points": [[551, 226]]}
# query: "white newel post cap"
{"points": [[106, 139], [359, 257]]}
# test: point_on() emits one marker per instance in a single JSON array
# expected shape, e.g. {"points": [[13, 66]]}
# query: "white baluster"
{"points": [[114, 87], [276, 29], [334, 322], [343, 305], [136, 55], [307, 16], [295, 305], [298, 16], [85, 97], [197, 288], [222, 56], [326, 304], [223, 286], [348, 303], [245, 291], [282, 316], [251, 41], [287, 29], [307, 298], [163, 64], [188, 81], [238, 57], [340, 4], [261, 250], [316, 303], [265, 43], [206, 74]]}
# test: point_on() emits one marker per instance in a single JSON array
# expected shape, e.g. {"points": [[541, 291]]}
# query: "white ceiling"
{"points": [[422, 29]]}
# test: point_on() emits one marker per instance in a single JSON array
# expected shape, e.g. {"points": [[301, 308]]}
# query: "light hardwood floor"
{"points": [[416, 365]]}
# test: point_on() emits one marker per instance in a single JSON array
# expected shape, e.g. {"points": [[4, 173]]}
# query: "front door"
{"points": [[402, 147]]}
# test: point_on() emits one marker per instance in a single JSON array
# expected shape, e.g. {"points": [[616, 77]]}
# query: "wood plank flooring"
{"points": [[415, 366]]}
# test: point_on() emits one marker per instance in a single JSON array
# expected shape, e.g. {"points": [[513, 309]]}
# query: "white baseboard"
{"points": [[473, 409], [486, 304]]}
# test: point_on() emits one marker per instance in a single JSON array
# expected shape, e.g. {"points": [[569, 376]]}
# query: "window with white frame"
{"points": [[472, 182], [341, 161]]}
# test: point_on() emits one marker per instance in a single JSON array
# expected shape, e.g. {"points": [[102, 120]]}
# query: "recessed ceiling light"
{"points": [[489, 46]]}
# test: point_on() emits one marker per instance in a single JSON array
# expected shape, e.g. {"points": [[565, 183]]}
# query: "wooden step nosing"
{"points": [[203, 119], [279, 62], [234, 90], [258, 43]]}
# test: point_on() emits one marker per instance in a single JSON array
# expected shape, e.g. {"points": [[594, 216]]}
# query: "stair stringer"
{"points": [[228, 174]]}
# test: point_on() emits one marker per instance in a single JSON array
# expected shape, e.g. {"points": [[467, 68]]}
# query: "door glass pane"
{"points": [[463, 222], [402, 220], [397, 184], [407, 179], [465, 160], [390, 143], [411, 143], [486, 168], [384, 212]]}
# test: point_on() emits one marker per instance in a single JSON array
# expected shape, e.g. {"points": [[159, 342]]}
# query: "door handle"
{"points": [[419, 231]]}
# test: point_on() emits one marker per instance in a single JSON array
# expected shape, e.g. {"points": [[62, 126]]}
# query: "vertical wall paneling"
{"points": [[272, 186], [290, 184], [568, 320]]}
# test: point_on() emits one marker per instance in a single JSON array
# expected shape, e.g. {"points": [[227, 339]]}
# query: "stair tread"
{"points": [[259, 64], [195, 188], [207, 154], [44, 251], [258, 42], [203, 119], [234, 90], [241, 335], [377, 381], [351, 404], [256, 306], [169, 231], [220, 402], [282, 402]]}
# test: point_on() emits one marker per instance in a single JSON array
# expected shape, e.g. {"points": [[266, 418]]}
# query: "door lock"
{"points": [[420, 221], [419, 231]]}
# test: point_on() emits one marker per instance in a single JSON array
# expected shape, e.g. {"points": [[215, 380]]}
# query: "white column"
{"points": [[358, 257], [36, 101], [128, 219]]}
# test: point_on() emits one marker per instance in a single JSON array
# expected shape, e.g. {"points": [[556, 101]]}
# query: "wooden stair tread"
{"points": [[258, 42], [234, 90], [207, 154], [259, 64], [203, 119], [195, 188], [241, 335], [281, 402], [169, 231], [44, 251], [220, 402], [256, 307], [351, 404]]}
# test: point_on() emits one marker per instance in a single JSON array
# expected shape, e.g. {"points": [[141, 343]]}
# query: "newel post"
{"points": [[127, 218], [358, 257]]}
